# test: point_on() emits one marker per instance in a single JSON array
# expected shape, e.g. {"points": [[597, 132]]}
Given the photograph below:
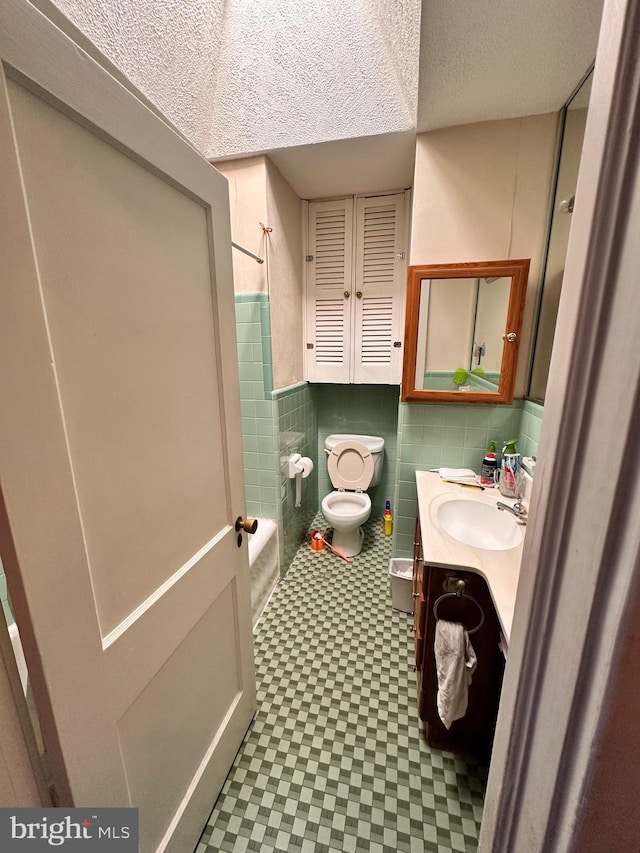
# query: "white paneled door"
{"points": [[120, 455]]}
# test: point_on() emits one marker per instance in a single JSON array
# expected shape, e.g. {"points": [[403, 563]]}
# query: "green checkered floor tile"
{"points": [[336, 759]]}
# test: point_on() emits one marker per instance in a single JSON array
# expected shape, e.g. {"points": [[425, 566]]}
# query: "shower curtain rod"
{"points": [[247, 252]]}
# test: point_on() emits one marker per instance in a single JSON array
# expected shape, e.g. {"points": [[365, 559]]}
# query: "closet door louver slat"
{"points": [[329, 347], [377, 330]]}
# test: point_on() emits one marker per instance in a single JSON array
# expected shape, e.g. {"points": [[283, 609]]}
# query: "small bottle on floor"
{"points": [[387, 523]]}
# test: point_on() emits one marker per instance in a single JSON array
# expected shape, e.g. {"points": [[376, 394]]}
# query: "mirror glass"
{"points": [[572, 136], [460, 328], [458, 316]]}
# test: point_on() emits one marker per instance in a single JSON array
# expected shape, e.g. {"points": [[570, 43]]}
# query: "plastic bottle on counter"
{"points": [[387, 522], [489, 465], [509, 467]]}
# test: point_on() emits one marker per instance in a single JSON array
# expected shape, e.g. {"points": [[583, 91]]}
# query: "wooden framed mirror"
{"points": [[462, 331]]}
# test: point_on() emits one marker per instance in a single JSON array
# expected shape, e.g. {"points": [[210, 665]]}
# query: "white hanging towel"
{"points": [[456, 662]]}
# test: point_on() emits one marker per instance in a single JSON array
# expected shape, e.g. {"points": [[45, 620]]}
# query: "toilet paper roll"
{"points": [[294, 465], [307, 465]]}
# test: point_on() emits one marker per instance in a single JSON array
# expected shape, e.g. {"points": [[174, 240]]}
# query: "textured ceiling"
{"points": [[167, 48], [309, 85], [334, 90], [349, 166], [290, 74], [500, 59]]}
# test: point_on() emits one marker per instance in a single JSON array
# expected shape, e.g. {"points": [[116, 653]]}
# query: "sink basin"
{"points": [[479, 524]]}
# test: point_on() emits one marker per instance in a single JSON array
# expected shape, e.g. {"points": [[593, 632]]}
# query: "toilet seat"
{"points": [[351, 466]]}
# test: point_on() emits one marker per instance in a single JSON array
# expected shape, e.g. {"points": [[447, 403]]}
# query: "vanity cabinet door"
{"points": [[472, 735]]}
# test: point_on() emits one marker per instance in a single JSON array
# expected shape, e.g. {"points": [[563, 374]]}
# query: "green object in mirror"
{"points": [[460, 376]]}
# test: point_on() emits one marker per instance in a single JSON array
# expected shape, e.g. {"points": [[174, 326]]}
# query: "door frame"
{"points": [[580, 575]]}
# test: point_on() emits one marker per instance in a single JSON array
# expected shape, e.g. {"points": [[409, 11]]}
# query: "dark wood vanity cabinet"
{"points": [[472, 735]]}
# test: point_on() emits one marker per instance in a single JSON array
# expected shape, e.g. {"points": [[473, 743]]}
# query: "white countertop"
{"points": [[500, 569]]}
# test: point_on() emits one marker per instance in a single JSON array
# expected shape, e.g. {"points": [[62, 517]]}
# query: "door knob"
{"points": [[249, 525]]}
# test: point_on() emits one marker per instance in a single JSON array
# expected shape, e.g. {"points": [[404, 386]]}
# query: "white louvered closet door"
{"points": [[379, 276], [329, 286]]}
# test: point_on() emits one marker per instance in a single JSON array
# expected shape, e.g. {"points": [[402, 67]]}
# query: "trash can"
{"points": [[401, 579]]}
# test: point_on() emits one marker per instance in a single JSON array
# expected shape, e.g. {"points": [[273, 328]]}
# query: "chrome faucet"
{"points": [[517, 510]]}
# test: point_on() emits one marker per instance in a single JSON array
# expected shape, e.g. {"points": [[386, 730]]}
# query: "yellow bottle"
{"points": [[387, 523]]}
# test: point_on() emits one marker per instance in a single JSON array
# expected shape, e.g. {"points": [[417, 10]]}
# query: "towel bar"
{"points": [[460, 595]]}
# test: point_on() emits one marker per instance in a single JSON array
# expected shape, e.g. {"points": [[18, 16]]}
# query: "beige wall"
{"points": [[481, 192], [259, 194], [284, 213], [248, 203]]}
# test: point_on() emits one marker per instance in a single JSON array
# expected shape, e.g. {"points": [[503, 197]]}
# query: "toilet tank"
{"points": [[373, 443]]}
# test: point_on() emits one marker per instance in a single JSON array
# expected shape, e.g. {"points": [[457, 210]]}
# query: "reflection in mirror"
{"points": [[491, 311], [462, 331], [572, 136]]}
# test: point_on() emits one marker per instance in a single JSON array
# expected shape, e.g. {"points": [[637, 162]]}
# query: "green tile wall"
{"points": [[365, 410], [259, 426], [487, 381], [433, 435], [274, 424], [530, 428], [297, 433], [442, 380]]}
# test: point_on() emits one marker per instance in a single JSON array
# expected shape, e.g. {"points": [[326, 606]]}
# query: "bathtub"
{"points": [[264, 565]]}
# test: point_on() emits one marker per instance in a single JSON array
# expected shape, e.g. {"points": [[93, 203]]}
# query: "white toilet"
{"points": [[354, 463]]}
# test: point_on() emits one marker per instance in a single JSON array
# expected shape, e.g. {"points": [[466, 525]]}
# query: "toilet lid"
{"points": [[350, 466]]}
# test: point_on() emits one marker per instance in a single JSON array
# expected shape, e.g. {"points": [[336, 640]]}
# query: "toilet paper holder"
{"points": [[299, 465], [299, 468]]}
